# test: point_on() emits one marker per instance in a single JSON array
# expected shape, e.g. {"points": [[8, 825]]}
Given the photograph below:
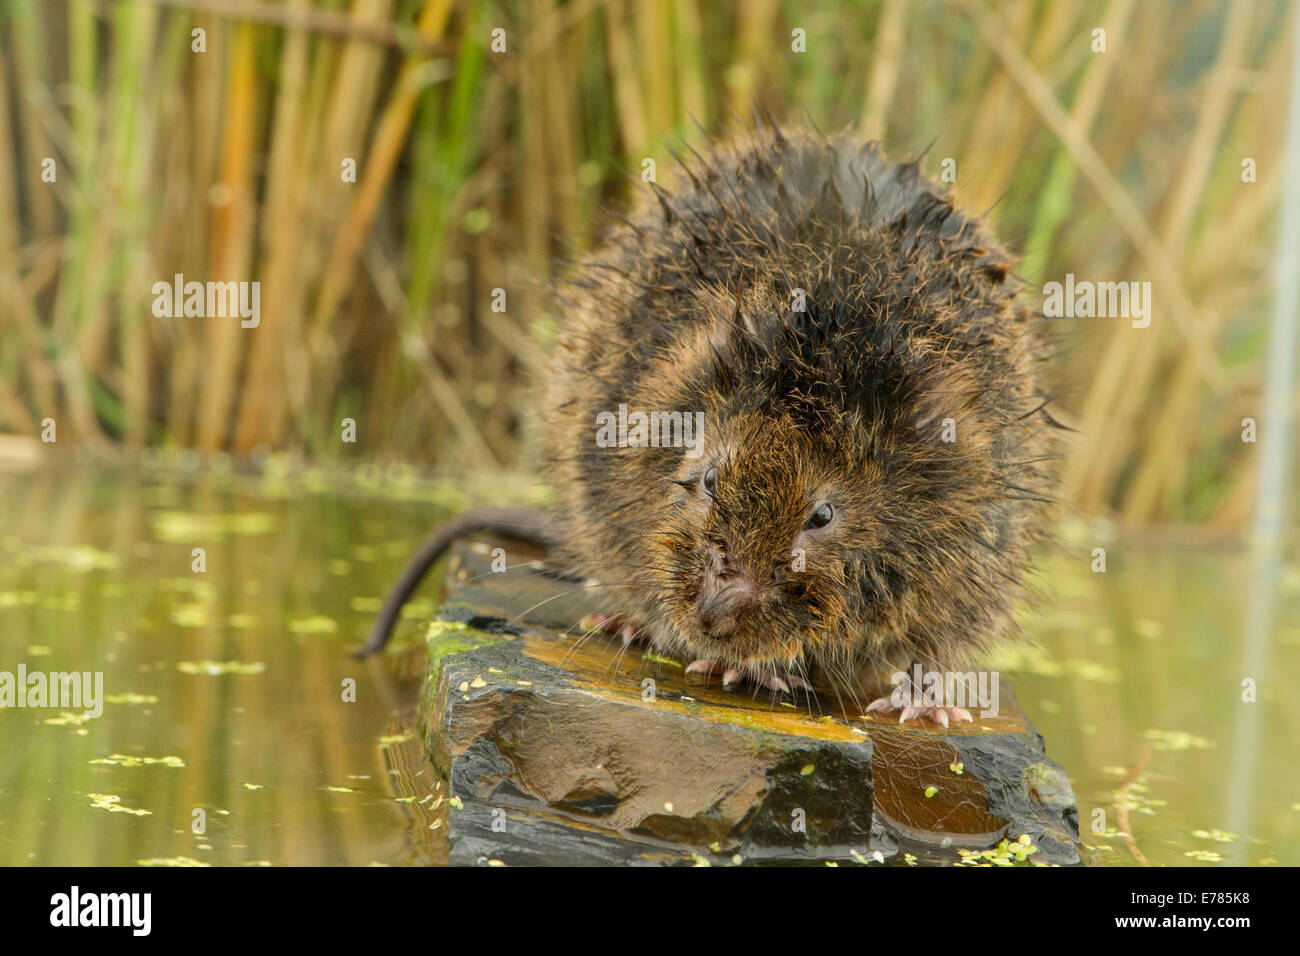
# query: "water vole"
{"points": [[858, 443]]}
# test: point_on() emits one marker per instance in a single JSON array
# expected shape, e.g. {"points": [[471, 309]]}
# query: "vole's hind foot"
{"points": [[734, 675], [942, 716]]}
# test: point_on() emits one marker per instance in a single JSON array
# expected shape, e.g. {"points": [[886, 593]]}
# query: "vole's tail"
{"points": [[522, 524]]}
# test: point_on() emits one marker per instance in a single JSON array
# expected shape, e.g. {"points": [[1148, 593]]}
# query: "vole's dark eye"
{"points": [[821, 516], [710, 481]]}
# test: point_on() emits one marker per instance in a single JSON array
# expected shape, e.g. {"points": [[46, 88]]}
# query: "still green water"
{"points": [[230, 691]]}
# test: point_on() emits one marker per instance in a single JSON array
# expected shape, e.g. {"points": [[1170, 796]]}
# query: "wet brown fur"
{"points": [[911, 319]]}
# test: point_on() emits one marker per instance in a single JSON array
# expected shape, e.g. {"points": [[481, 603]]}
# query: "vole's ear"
{"points": [[941, 410]]}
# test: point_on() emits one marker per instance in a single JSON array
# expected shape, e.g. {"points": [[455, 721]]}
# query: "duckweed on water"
{"points": [[1034, 660], [77, 558], [151, 611], [876, 857], [1092, 671], [202, 589], [220, 667], [1177, 740], [171, 861], [182, 527], [1216, 834], [1006, 853], [316, 624], [1135, 798], [129, 698], [1148, 628], [66, 719], [113, 803], [420, 609], [123, 760], [69, 601], [190, 615]]}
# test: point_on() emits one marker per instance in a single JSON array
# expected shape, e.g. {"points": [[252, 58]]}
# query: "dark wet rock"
{"points": [[561, 750]]}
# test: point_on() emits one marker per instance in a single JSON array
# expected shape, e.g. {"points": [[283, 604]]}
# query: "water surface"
{"points": [[230, 690]]}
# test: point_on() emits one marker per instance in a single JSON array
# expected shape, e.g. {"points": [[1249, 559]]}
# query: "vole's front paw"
{"points": [[939, 715], [629, 630], [613, 624], [732, 675]]}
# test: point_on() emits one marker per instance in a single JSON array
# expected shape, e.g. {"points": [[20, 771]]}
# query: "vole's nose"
{"points": [[723, 598]]}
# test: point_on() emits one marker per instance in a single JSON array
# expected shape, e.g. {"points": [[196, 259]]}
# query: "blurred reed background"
{"points": [[478, 170]]}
